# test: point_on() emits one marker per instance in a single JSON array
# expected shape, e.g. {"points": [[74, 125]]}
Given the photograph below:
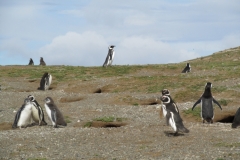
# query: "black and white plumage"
{"points": [[54, 113], [173, 117], [37, 112], [236, 120], [110, 56], [187, 68], [31, 62], [42, 62], [45, 81], [206, 101], [24, 115]]}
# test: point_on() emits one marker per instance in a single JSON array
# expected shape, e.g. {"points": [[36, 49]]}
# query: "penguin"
{"points": [[42, 62], [207, 101], [24, 115], [37, 112], [110, 56], [45, 81], [31, 62], [236, 120], [165, 92], [173, 117], [187, 68], [54, 113]]}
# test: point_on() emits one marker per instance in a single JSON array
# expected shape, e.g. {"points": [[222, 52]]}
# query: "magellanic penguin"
{"points": [[165, 92], [42, 62], [31, 62], [110, 56], [187, 68], [37, 112], [24, 115], [45, 81], [54, 113], [173, 117], [207, 101], [236, 120]]}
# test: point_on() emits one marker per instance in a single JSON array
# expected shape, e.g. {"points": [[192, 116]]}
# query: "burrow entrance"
{"points": [[99, 124], [226, 119]]}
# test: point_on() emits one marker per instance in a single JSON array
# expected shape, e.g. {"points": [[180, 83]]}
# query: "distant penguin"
{"points": [[207, 101], [236, 120], [45, 81], [37, 112], [173, 117], [42, 62], [54, 113], [110, 56], [24, 115], [31, 62], [187, 68]]}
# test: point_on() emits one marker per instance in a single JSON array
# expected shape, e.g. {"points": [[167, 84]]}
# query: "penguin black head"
{"points": [[111, 47], [165, 92], [31, 97], [188, 64], [27, 101], [165, 99], [49, 100], [208, 85]]}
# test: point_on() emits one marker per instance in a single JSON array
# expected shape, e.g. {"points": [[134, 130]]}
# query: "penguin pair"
{"points": [[45, 81], [187, 68], [110, 56], [32, 110], [206, 101], [29, 110], [171, 112]]}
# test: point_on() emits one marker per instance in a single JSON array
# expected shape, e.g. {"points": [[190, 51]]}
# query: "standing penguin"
{"points": [[236, 120], [31, 62], [165, 92], [45, 81], [207, 101], [37, 112], [173, 117], [42, 62], [54, 113], [110, 56], [187, 68], [23, 116]]}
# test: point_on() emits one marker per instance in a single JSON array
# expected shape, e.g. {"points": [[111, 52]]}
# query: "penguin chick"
{"points": [[54, 113]]}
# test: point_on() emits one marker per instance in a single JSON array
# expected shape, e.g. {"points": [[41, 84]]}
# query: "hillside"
{"points": [[128, 94]]}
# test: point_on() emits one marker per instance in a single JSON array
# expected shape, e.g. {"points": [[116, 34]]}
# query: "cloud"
{"points": [[86, 49]]}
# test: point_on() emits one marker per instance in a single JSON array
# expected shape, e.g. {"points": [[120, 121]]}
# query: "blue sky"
{"points": [[144, 32]]}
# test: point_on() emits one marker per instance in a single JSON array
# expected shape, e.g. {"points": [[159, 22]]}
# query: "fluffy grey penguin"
{"points": [[236, 120], [207, 101], [37, 112], [110, 56], [54, 113], [31, 62], [45, 81], [173, 117], [24, 115], [187, 68], [42, 62]]}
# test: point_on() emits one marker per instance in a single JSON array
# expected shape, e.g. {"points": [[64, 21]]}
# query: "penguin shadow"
{"points": [[172, 134], [50, 88]]}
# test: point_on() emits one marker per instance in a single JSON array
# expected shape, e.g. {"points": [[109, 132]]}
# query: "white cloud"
{"points": [[84, 49]]}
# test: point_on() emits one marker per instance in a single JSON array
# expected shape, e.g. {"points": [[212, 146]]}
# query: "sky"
{"points": [[78, 32]]}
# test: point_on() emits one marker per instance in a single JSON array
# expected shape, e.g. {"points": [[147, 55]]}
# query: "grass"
{"points": [[146, 78], [195, 112], [228, 145]]}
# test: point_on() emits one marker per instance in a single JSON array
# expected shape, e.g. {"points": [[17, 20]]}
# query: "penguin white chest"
{"points": [[164, 110], [35, 115], [25, 117], [172, 122]]}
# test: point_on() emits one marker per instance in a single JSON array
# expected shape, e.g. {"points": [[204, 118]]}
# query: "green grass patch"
{"points": [[228, 145], [195, 112], [87, 125]]}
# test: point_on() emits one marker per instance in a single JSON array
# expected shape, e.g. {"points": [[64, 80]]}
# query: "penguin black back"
{"points": [[236, 120], [187, 68], [31, 62], [42, 62]]}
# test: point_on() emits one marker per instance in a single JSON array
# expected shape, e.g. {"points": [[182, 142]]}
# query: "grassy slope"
{"points": [[222, 69]]}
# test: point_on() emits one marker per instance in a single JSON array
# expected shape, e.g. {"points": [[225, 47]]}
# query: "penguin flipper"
{"points": [[17, 116], [54, 117], [216, 102], [196, 103]]}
